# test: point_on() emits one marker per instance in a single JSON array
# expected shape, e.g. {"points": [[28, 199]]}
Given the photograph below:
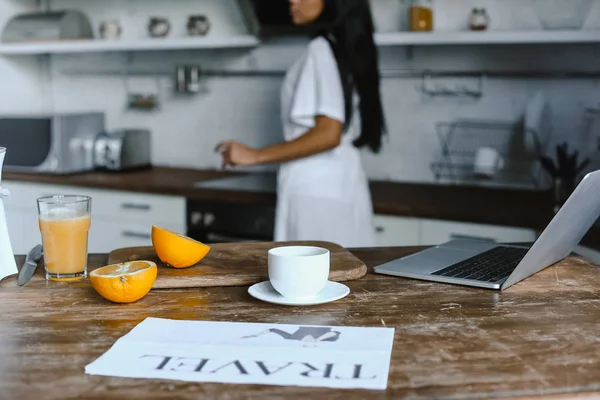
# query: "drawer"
{"points": [[109, 203], [22, 195], [396, 231], [435, 232]]}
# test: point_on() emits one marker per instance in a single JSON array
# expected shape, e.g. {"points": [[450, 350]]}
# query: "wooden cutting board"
{"points": [[236, 264]]}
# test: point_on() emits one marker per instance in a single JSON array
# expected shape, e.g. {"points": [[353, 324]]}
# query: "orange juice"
{"points": [[65, 241]]}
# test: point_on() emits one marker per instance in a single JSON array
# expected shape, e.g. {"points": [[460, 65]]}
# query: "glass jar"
{"points": [[479, 19], [421, 15]]}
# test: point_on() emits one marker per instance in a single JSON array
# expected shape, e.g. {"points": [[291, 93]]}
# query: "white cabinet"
{"points": [[404, 231], [119, 218], [22, 229], [436, 232], [396, 231]]}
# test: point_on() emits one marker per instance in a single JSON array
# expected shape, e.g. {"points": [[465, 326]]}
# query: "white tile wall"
{"points": [[186, 128], [22, 84]]}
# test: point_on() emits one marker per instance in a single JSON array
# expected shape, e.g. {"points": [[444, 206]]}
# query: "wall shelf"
{"points": [[249, 41], [149, 44], [488, 37]]}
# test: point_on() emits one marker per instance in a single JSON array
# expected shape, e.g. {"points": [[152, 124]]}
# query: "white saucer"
{"points": [[331, 292]]}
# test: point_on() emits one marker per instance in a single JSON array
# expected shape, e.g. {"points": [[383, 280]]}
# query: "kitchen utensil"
{"points": [[298, 271], [30, 265], [187, 79], [331, 292], [198, 25], [159, 27], [47, 25], [7, 258], [193, 79], [236, 264], [180, 79], [110, 29]]}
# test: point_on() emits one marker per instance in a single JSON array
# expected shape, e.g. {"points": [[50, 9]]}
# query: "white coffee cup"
{"points": [[298, 272], [488, 162]]}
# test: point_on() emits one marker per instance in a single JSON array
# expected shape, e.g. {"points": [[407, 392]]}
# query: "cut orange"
{"points": [[175, 250], [124, 283]]}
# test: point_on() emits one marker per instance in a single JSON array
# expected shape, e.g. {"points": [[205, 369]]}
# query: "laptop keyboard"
{"points": [[490, 266]]}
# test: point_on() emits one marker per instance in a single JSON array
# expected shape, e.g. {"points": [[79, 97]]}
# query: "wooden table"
{"points": [[538, 338]]}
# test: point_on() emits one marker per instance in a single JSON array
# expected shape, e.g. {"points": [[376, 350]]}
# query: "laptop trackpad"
{"points": [[429, 260]]}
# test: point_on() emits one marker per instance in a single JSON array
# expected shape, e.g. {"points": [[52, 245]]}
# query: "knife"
{"points": [[28, 269]]}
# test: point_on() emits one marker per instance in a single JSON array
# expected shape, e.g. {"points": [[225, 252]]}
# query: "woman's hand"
{"points": [[235, 153]]}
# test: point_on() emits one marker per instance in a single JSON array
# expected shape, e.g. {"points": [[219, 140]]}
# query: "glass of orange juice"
{"points": [[64, 223]]}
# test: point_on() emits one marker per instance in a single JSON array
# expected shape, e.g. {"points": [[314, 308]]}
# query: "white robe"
{"points": [[325, 196]]}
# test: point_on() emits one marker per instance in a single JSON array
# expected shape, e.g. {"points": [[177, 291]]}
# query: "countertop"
{"points": [[511, 207], [536, 339]]}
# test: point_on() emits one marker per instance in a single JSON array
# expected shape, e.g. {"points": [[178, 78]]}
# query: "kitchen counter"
{"points": [[510, 207], [537, 338]]}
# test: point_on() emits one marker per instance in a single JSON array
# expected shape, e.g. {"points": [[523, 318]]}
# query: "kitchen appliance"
{"points": [[50, 143], [53, 25], [70, 143], [7, 259], [222, 222], [122, 150]]}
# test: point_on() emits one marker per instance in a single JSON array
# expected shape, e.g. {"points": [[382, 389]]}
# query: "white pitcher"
{"points": [[7, 258]]}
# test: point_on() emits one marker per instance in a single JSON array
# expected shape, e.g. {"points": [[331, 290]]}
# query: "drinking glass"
{"points": [[64, 224]]}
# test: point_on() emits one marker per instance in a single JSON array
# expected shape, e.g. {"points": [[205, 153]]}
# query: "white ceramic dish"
{"points": [[331, 292]]}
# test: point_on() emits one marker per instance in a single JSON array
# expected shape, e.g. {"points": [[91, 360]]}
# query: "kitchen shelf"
{"points": [[149, 44], [488, 37], [249, 41]]}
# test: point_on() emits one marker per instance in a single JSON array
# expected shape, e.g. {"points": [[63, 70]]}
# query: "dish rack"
{"points": [[460, 140]]}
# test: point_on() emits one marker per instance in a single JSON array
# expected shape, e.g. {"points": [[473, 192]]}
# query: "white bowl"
{"points": [[298, 272], [563, 14]]}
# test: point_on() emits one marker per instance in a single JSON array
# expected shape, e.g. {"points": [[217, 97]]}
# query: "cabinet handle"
{"points": [[136, 235], [379, 229], [133, 206]]}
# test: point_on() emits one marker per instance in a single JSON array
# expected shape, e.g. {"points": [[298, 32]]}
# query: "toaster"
{"points": [[122, 150]]}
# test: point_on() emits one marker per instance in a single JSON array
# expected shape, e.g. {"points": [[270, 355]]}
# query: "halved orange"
{"points": [[176, 250], [126, 282]]}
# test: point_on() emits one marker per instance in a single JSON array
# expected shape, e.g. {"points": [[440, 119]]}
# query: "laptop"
{"points": [[497, 266]]}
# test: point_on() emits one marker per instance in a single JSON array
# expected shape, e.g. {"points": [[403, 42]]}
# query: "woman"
{"points": [[330, 107]]}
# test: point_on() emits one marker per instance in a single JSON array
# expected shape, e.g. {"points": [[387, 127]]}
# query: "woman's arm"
{"points": [[326, 135]]}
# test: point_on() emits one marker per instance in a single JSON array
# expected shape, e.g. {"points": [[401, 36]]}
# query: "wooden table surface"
{"points": [[538, 338]]}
